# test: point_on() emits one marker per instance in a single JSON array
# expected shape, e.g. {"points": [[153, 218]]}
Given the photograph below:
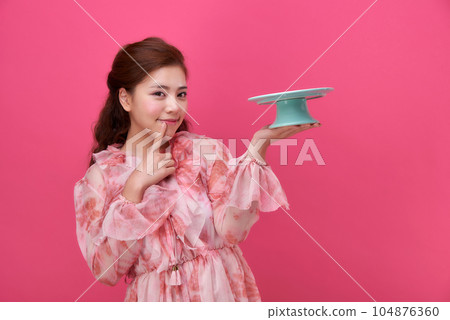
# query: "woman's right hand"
{"points": [[154, 167]]}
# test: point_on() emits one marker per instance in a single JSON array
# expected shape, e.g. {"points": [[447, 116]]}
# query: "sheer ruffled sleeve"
{"points": [[110, 232], [239, 188]]}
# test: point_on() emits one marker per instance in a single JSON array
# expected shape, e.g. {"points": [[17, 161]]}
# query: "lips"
{"points": [[169, 121]]}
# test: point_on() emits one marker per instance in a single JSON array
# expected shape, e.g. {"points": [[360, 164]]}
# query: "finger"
{"points": [[159, 139], [166, 164], [164, 146], [167, 155], [169, 171], [303, 127], [290, 130], [282, 129], [308, 126], [170, 163], [300, 127], [150, 137], [164, 160]]}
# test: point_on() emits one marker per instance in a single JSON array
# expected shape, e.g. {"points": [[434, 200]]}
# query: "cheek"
{"points": [[184, 111], [153, 109]]}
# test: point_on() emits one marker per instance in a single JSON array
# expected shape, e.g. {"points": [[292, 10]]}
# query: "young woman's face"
{"points": [[150, 105]]}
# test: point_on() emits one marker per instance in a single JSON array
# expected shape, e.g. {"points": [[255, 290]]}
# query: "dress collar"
{"points": [[113, 155]]}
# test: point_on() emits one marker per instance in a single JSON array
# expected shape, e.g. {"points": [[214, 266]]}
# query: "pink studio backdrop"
{"points": [[380, 205]]}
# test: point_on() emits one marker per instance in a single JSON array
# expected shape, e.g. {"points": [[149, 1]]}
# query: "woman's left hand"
{"points": [[273, 134]]}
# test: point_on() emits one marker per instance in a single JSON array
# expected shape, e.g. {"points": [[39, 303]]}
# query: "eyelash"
{"points": [[156, 93]]}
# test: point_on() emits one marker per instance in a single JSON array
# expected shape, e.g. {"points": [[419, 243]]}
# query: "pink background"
{"points": [[380, 205]]}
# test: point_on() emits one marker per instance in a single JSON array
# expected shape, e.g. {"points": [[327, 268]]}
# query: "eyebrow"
{"points": [[166, 87]]}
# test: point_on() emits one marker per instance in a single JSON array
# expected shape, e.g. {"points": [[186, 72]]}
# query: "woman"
{"points": [[169, 224]]}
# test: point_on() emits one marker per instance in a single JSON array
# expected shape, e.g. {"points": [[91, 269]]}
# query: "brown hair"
{"points": [[151, 54]]}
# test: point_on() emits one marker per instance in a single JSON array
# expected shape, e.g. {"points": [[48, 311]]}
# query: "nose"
{"points": [[173, 104]]}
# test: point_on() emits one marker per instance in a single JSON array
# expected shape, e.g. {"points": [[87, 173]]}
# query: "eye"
{"points": [[181, 94], [158, 93]]}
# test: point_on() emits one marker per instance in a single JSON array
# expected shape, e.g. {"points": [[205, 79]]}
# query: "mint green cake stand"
{"points": [[291, 105]]}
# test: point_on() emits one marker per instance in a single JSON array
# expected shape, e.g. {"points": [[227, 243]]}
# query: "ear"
{"points": [[124, 99]]}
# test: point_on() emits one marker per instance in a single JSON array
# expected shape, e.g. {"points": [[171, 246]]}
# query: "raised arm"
{"points": [[239, 189]]}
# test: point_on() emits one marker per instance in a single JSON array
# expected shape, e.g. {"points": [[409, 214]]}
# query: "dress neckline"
{"points": [[117, 147], [114, 155]]}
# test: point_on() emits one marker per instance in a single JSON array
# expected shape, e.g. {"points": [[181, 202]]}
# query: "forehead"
{"points": [[170, 76]]}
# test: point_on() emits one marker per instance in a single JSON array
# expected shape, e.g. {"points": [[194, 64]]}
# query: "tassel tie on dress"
{"points": [[175, 278]]}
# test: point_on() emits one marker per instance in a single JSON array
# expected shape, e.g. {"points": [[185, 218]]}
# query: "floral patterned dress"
{"points": [[180, 243]]}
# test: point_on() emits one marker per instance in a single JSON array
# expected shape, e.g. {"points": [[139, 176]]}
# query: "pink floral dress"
{"points": [[180, 243]]}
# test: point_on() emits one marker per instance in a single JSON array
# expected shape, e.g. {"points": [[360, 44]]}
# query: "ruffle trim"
{"points": [[261, 186], [126, 220], [112, 155]]}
